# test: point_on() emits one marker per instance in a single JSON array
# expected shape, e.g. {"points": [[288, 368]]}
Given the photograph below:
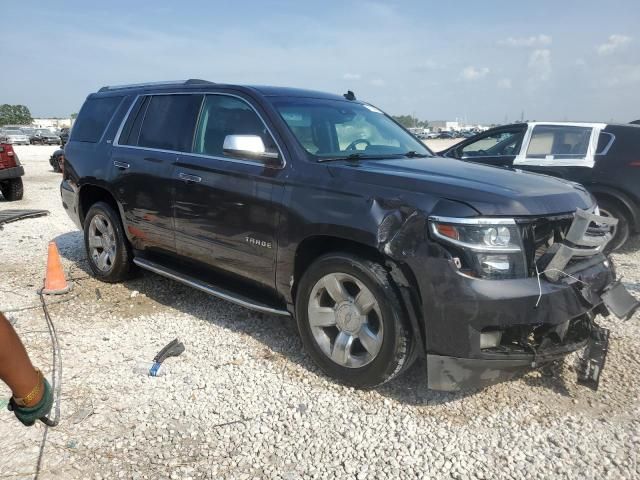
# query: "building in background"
{"points": [[51, 123], [444, 126]]}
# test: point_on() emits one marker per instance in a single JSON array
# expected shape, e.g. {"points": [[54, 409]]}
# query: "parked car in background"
{"points": [[11, 173], [605, 158], [44, 137], [445, 135], [57, 160], [64, 136], [322, 207], [14, 137]]}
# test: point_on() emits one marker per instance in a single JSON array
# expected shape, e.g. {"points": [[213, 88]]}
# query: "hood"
{"points": [[489, 190]]}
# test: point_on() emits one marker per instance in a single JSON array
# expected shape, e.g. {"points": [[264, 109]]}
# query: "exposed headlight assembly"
{"points": [[489, 248]]}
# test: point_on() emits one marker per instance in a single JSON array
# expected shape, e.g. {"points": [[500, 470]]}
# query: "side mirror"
{"points": [[251, 146]]}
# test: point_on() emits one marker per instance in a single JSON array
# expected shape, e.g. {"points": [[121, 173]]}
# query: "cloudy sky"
{"points": [[484, 61]]}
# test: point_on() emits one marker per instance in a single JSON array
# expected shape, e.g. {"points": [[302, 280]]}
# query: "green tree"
{"points": [[409, 121], [15, 115]]}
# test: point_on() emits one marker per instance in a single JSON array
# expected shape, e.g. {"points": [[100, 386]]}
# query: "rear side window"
{"points": [[94, 118], [131, 130], [169, 122], [559, 141]]}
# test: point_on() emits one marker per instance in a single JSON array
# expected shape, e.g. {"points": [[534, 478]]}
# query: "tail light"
{"points": [[635, 164]]}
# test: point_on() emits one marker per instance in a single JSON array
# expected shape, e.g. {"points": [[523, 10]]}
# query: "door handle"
{"points": [[189, 178], [121, 165]]}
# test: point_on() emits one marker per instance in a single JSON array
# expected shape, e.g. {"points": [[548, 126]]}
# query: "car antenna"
{"points": [[349, 95]]}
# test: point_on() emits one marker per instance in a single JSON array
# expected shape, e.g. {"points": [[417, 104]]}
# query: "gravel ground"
{"points": [[244, 401]]}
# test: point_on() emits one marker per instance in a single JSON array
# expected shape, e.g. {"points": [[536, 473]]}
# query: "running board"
{"points": [[207, 288]]}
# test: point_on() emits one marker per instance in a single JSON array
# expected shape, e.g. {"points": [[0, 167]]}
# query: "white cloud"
{"points": [[540, 65], [540, 40], [613, 44], [623, 75], [471, 73], [378, 82], [351, 76], [504, 83]]}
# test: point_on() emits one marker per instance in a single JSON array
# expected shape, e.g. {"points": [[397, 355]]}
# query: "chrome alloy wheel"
{"points": [[102, 242], [345, 320]]}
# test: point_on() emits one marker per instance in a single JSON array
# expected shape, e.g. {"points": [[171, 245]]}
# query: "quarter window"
{"points": [[169, 122], [94, 118], [559, 142], [224, 115]]}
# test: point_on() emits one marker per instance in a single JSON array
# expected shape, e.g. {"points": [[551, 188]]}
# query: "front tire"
{"points": [[351, 322], [108, 250], [13, 189], [621, 232]]}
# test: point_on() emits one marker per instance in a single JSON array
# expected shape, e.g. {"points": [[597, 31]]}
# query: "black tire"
{"points": [[612, 208], [396, 350], [12, 189], [121, 265], [55, 163]]}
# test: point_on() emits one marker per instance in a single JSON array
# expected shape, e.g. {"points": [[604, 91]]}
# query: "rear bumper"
{"points": [[13, 172], [69, 198]]}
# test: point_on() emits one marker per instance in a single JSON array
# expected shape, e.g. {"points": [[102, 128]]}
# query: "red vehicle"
{"points": [[10, 173]]}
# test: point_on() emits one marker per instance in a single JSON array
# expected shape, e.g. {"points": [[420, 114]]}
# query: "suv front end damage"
{"points": [[500, 296]]}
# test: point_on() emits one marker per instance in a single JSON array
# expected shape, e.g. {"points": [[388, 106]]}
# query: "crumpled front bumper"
{"points": [[539, 319]]}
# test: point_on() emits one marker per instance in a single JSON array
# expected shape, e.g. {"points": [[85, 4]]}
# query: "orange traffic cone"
{"points": [[54, 282]]}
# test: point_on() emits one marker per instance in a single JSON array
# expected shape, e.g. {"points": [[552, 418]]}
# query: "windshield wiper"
{"points": [[354, 156], [414, 154], [364, 156]]}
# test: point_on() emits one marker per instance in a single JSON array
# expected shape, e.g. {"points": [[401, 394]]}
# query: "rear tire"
{"points": [[611, 208], [13, 189], [107, 247], [357, 348]]}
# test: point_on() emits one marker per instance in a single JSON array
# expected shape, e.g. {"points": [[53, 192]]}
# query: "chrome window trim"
{"points": [[474, 221], [116, 142]]}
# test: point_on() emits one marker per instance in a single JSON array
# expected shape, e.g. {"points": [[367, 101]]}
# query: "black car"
{"points": [[56, 160], [602, 157], [64, 136], [42, 136], [322, 207]]}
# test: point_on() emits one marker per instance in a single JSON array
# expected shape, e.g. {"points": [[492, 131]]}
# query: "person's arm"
{"points": [[32, 397]]}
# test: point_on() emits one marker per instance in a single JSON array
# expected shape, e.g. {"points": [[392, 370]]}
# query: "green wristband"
{"points": [[29, 415]]}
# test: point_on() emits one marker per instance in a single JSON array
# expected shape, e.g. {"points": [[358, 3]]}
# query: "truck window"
{"points": [[169, 122], [559, 141], [93, 118], [494, 145], [337, 128], [605, 140], [224, 115]]}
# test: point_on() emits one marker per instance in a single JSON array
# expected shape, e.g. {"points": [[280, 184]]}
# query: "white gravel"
{"points": [[244, 401]]}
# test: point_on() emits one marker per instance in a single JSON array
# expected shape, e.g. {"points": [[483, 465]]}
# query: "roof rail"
{"points": [[191, 81]]}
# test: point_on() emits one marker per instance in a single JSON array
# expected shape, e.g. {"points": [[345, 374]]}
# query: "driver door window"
{"points": [[498, 144], [224, 115]]}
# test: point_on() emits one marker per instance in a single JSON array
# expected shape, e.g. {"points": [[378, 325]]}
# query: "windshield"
{"points": [[333, 129], [44, 132]]}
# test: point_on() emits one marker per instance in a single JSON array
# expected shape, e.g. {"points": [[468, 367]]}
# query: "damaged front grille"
{"points": [[543, 338], [551, 243]]}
